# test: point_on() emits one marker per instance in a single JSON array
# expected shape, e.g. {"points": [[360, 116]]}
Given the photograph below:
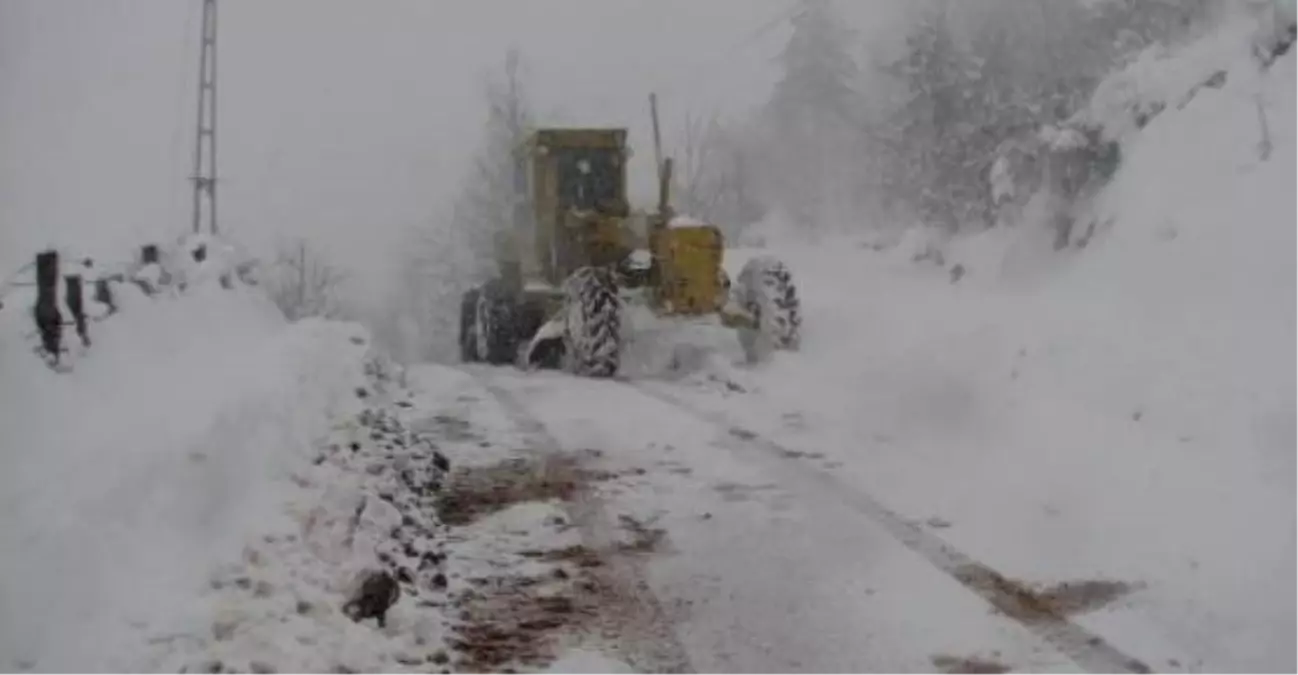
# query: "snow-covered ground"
{"points": [[1058, 461], [1124, 411], [158, 457]]}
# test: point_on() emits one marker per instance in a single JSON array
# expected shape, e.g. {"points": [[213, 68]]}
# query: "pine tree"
{"points": [[817, 67], [937, 121], [811, 116]]}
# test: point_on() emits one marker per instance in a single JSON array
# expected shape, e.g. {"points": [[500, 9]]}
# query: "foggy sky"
{"points": [[342, 120]]}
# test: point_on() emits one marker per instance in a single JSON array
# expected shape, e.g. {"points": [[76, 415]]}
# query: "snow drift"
{"points": [[130, 478]]}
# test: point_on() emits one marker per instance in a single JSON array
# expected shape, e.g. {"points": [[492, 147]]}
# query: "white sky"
{"points": [[344, 120]]}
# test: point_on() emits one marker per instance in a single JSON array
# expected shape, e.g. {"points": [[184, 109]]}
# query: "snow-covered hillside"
{"points": [[1124, 410], [127, 480]]}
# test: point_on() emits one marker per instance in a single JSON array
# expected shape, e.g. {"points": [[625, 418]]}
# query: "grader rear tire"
{"points": [[497, 340], [468, 326], [593, 337]]}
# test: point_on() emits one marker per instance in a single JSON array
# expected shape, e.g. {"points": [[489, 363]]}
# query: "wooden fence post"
{"points": [[49, 322], [104, 295], [76, 306], [148, 256]]}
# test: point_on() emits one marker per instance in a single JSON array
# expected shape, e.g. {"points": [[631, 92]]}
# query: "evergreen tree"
{"points": [[810, 118], [936, 122], [818, 70]]}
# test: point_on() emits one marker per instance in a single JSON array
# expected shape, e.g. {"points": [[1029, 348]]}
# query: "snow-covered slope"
{"points": [[127, 480], [1190, 296], [1124, 410]]}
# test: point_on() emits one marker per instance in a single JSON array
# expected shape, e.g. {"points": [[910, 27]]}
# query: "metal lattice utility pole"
{"points": [[204, 177]]}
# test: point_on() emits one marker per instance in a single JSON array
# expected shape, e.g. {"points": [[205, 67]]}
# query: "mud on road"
{"points": [[586, 594]]}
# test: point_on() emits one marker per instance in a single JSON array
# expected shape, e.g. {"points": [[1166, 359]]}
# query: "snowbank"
{"points": [[129, 479], [1192, 285], [1163, 77]]}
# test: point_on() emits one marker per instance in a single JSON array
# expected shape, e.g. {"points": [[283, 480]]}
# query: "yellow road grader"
{"points": [[576, 249]]}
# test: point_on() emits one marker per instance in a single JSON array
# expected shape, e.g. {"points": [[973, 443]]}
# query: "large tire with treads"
{"points": [[468, 326], [497, 338], [592, 342], [767, 291]]}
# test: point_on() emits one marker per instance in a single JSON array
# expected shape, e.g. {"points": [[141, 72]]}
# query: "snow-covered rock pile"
{"points": [[410, 474], [366, 504]]}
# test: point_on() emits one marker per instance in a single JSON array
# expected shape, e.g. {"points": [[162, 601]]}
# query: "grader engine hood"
{"points": [[688, 268]]}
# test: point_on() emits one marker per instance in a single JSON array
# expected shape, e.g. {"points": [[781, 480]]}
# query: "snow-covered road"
{"points": [[769, 563]]}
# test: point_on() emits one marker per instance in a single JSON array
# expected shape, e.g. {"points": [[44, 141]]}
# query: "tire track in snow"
{"points": [[653, 645], [1088, 650]]}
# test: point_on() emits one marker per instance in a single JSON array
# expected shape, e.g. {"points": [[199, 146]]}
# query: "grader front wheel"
{"points": [[592, 338], [766, 291]]}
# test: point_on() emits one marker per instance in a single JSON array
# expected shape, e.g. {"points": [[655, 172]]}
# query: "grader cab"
{"points": [[576, 247]]}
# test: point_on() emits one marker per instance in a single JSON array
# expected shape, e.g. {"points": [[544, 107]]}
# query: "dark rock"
{"points": [[377, 593], [440, 461]]}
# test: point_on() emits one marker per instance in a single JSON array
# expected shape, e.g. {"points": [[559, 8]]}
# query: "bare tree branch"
{"points": [[302, 284]]}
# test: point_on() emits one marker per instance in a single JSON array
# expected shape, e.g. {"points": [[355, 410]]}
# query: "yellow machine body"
{"points": [[575, 213], [689, 262]]}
